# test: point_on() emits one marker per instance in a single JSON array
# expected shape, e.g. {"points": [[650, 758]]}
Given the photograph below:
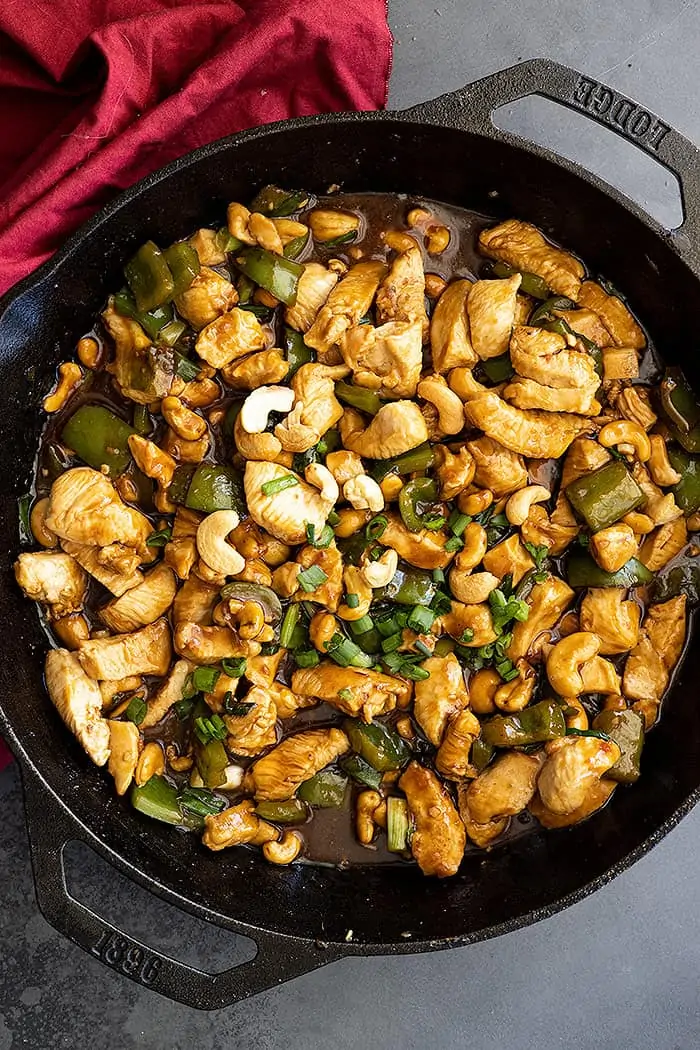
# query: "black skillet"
{"points": [[300, 917]]}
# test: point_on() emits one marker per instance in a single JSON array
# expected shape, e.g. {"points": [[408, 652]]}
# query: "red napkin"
{"points": [[95, 95]]}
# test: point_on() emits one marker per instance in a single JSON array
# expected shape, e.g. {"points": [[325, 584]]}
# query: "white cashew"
{"points": [[379, 573], [450, 410], [258, 405], [363, 493], [566, 659], [475, 588], [519, 504], [322, 479], [213, 548]]}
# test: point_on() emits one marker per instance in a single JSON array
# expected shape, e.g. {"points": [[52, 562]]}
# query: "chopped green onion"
{"points": [[231, 706], [291, 618], [421, 619], [205, 678], [458, 522], [306, 658], [587, 732], [160, 538], [325, 537], [438, 576], [142, 423], [333, 519], [453, 544], [507, 671], [345, 694], [352, 601], [414, 672], [312, 578], [201, 802], [396, 824], [365, 623], [136, 711], [207, 729], [422, 648], [538, 553], [183, 708], [441, 604], [376, 528], [467, 636], [392, 643], [347, 653], [271, 488], [186, 369], [234, 666], [269, 648]]}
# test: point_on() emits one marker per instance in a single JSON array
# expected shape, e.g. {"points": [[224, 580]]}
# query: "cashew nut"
{"points": [[88, 351], [151, 763], [391, 485], [625, 432], [258, 405], [237, 217], [153, 461], [124, 742], [37, 523], [367, 803], [379, 573], [475, 502], [351, 521], [473, 589], [321, 629], [482, 689], [284, 851], [437, 239], [364, 493], [265, 232], [212, 546], [659, 464], [69, 375], [641, 524], [327, 224], [566, 659], [516, 695], [322, 479], [186, 423], [199, 393], [355, 583], [475, 542], [579, 720], [519, 504], [435, 285], [450, 409], [290, 230], [344, 465]]}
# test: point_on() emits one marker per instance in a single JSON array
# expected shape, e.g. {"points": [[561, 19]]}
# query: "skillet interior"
{"points": [[40, 328]]}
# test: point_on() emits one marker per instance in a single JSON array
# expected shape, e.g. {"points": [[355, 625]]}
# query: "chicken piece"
{"points": [[598, 794], [232, 335], [142, 372], [425, 549], [547, 601], [143, 604], [297, 758], [195, 601], [523, 247], [181, 551], [661, 507], [661, 642], [353, 690], [633, 403], [508, 556], [284, 514], [397, 427], [539, 435], [623, 329], [504, 788], [439, 838], [124, 749], [251, 733], [209, 296], [613, 546], [182, 450], [330, 561], [439, 698], [387, 359], [491, 309], [584, 456], [168, 693], [452, 759], [586, 323], [555, 531], [206, 645], [316, 408], [449, 332], [205, 244], [84, 507], [347, 303], [605, 613], [663, 544], [79, 702], [54, 578], [496, 468], [572, 766], [147, 651], [546, 358], [89, 558], [526, 394], [315, 285], [287, 702], [454, 470], [262, 670], [265, 368], [234, 826], [475, 618], [481, 835], [401, 295]]}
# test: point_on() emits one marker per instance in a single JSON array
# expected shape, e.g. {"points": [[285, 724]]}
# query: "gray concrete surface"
{"points": [[619, 970]]}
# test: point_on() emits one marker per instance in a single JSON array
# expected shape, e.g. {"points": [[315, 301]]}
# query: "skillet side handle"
{"points": [[277, 960], [471, 108]]}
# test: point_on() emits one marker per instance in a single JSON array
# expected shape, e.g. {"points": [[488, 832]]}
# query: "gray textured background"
{"points": [[619, 970]]}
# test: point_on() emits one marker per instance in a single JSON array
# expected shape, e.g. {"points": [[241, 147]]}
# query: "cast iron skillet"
{"points": [[300, 916]]}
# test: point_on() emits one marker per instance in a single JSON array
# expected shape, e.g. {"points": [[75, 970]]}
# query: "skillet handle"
{"points": [[277, 960], [471, 109]]}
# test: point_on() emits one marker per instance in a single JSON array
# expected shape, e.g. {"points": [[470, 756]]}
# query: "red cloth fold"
{"points": [[93, 96]]}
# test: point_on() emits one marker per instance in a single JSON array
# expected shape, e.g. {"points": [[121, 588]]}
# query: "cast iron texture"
{"points": [[305, 916]]}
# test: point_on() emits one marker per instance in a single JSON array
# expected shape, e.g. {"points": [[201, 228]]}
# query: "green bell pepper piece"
{"points": [[377, 744], [681, 579], [290, 811], [409, 586], [157, 798], [604, 496], [177, 491], [326, 790], [418, 505], [245, 591], [498, 369], [626, 728], [215, 488], [211, 759], [358, 397], [545, 311], [183, 262], [542, 721], [154, 322], [149, 278], [274, 273], [298, 353], [99, 438], [678, 401], [226, 242], [531, 284], [419, 458], [482, 753], [687, 491], [583, 571], [294, 248], [279, 203], [361, 771]]}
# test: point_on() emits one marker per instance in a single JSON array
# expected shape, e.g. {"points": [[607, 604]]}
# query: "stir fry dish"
{"points": [[360, 529]]}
